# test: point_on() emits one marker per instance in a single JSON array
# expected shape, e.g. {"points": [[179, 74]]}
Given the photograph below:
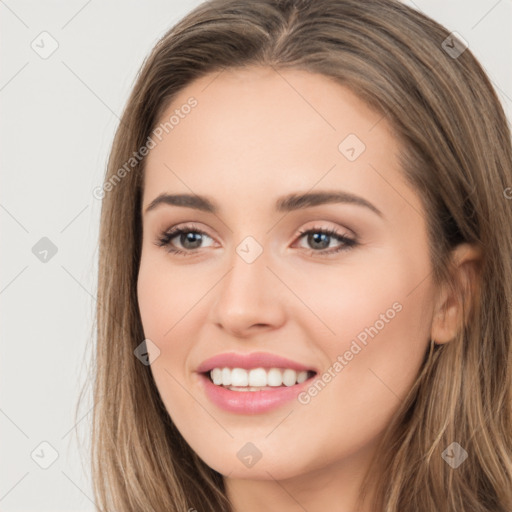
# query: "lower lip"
{"points": [[251, 402]]}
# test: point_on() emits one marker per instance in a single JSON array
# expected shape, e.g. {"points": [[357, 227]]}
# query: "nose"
{"points": [[249, 298]]}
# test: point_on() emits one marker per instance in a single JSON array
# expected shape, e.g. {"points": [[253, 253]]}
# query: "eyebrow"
{"points": [[290, 202]]}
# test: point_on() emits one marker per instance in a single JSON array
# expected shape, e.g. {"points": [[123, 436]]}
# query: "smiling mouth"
{"points": [[257, 379]]}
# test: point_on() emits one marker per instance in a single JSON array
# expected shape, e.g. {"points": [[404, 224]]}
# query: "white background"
{"points": [[58, 117]]}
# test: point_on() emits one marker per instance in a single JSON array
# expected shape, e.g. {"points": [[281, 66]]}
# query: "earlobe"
{"points": [[448, 311]]}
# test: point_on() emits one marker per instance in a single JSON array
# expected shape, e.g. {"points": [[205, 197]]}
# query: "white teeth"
{"points": [[256, 377], [216, 375], [226, 376], [274, 377], [239, 377], [302, 376], [289, 377]]}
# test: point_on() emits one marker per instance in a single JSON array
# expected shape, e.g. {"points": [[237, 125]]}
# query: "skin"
{"points": [[255, 135]]}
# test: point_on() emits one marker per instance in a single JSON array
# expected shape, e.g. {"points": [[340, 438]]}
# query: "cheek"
{"points": [[168, 302], [173, 305], [379, 315], [163, 304], [165, 295], [380, 296]]}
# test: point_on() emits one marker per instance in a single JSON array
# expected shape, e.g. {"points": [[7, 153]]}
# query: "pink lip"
{"points": [[249, 361], [250, 402]]}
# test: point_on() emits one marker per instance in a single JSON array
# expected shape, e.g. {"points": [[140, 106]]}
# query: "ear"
{"points": [[448, 310]]}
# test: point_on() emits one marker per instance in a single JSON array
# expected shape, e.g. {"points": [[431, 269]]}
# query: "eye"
{"points": [[320, 238], [190, 238]]}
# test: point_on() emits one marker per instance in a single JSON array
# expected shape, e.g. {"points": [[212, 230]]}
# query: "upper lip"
{"points": [[249, 361]]}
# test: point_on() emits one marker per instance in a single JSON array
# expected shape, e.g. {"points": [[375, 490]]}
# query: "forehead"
{"points": [[267, 131]]}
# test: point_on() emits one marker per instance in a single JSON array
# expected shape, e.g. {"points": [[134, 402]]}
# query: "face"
{"points": [[338, 284]]}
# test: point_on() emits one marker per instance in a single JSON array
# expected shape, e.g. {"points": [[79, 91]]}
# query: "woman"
{"points": [[304, 271]]}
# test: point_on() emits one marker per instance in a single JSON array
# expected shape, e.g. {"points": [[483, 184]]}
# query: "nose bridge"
{"points": [[247, 277], [246, 296]]}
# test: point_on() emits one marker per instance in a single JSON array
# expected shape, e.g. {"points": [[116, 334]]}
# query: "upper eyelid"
{"points": [[300, 232], [186, 228]]}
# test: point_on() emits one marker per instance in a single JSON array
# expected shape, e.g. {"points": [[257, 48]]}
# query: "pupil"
{"points": [[316, 236], [190, 237]]}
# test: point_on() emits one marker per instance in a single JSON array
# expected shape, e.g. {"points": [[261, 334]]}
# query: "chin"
{"points": [[268, 467]]}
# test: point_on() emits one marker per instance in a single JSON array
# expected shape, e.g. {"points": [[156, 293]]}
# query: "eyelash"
{"points": [[164, 240]]}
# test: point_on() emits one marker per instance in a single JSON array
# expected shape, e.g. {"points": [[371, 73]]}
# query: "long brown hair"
{"points": [[456, 153]]}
